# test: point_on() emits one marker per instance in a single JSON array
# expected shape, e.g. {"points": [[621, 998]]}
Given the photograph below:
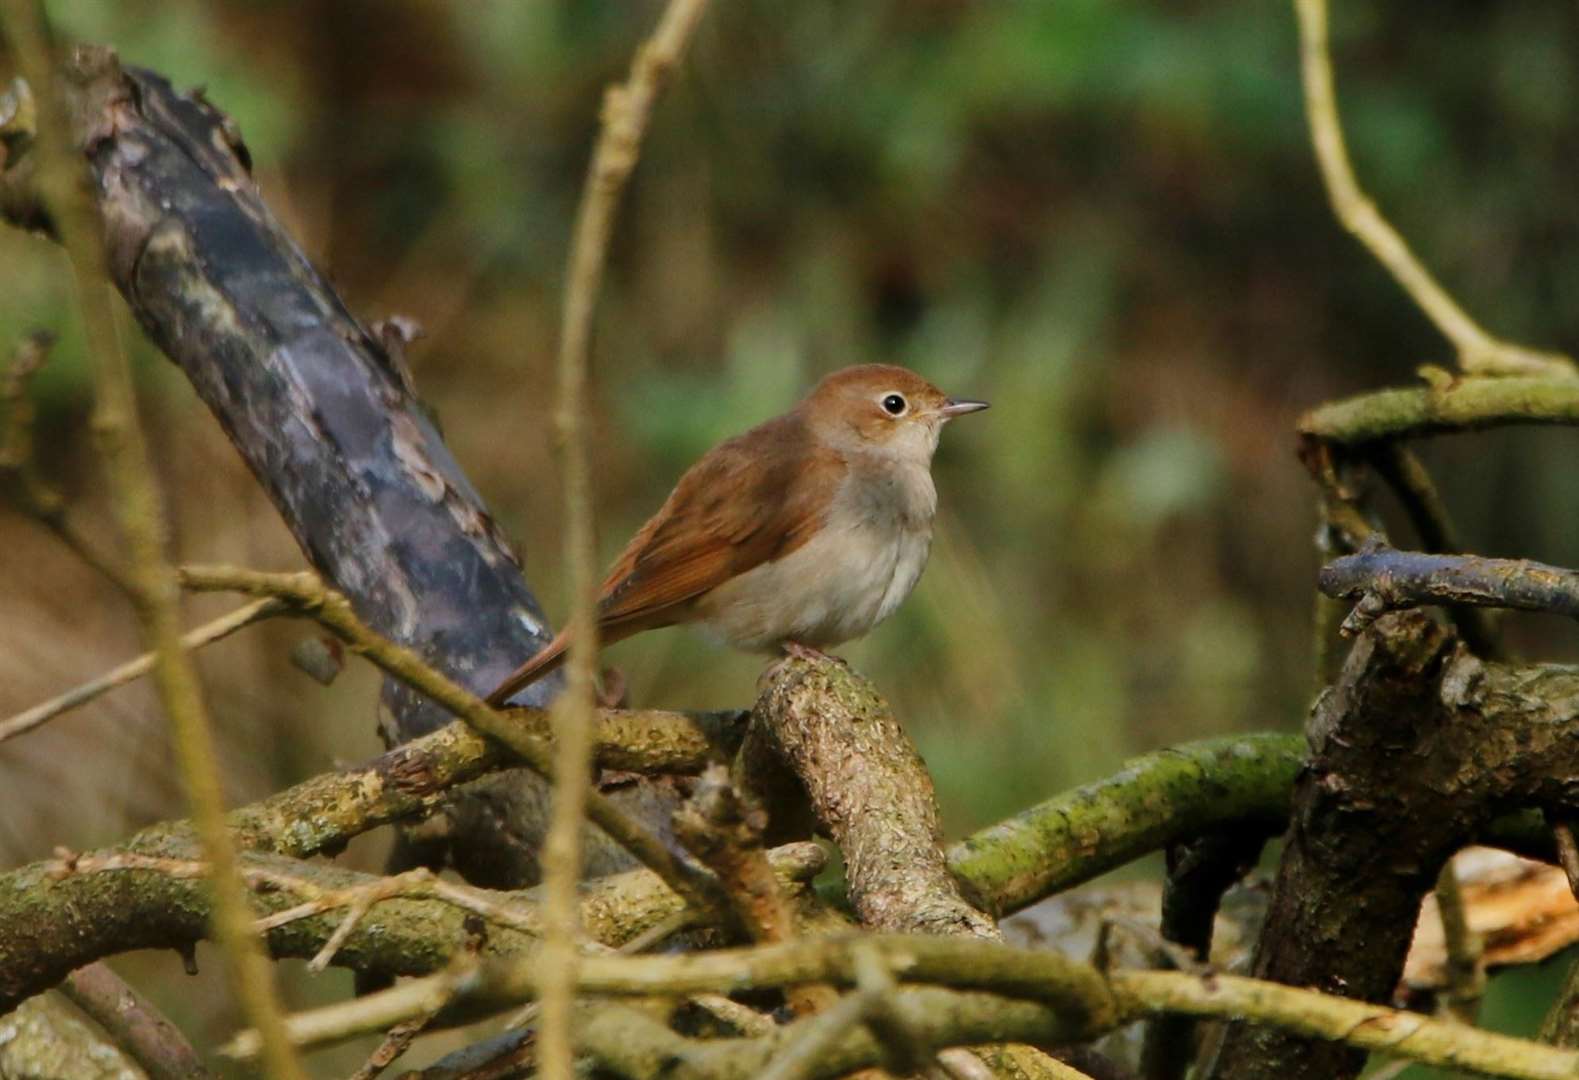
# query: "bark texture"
{"points": [[1412, 752], [869, 790]]}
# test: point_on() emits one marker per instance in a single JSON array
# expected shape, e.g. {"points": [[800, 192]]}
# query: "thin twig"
{"points": [[818, 1034], [626, 112], [1567, 851], [1478, 352], [32, 493], [155, 594], [193, 640], [723, 827], [1466, 974], [359, 899], [307, 596], [396, 1041]]}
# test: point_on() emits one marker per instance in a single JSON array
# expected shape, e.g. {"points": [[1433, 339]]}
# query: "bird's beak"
{"points": [[959, 407]]}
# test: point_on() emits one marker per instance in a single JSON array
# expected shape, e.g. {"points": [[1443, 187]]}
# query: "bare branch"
{"points": [[869, 789], [193, 640], [996, 994]]}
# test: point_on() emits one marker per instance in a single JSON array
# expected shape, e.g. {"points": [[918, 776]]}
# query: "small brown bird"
{"points": [[803, 533]]}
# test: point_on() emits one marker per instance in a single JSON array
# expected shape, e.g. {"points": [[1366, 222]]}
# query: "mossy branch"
{"points": [[1457, 405], [1154, 800]]}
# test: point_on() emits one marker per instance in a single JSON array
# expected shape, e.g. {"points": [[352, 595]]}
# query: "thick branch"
{"points": [[1413, 751], [53, 920], [870, 790]]}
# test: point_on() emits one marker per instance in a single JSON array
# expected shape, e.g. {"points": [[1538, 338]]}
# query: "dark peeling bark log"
{"points": [[324, 418], [1413, 751]]}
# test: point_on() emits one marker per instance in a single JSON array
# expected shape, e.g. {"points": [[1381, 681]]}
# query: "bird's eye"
{"points": [[894, 404]]}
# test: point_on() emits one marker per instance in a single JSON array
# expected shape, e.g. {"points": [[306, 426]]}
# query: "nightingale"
{"points": [[799, 535]]}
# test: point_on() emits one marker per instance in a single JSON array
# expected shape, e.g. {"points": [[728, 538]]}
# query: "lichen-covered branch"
{"points": [[306, 596], [55, 919]]}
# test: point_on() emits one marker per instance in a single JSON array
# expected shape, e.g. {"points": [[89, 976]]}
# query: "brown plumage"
{"points": [[842, 479]]}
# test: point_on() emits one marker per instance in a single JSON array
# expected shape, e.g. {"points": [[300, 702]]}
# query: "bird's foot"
{"points": [[798, 651]]}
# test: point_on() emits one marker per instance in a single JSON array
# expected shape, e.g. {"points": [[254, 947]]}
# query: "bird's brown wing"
{"points": [[750, 500]]}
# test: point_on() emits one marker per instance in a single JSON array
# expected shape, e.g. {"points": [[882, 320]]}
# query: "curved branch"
{"points": [[1461, 405], [1478, 351], [1155, 800]]}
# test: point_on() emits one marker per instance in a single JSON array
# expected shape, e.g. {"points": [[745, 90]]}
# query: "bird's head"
{"points": [[880, 408]]}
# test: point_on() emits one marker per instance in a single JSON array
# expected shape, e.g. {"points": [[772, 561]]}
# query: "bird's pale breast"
{"points": [[858, 568]]}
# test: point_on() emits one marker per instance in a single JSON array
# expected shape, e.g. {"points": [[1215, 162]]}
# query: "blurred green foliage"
{"points": [[1102, 216]]}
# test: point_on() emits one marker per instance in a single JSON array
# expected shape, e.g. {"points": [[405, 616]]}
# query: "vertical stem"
{"points": [[155, 593], [1466, 974], [626, 111]]}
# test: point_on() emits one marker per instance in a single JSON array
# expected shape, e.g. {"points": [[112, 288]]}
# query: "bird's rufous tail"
{"points": [[548, 658]]}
